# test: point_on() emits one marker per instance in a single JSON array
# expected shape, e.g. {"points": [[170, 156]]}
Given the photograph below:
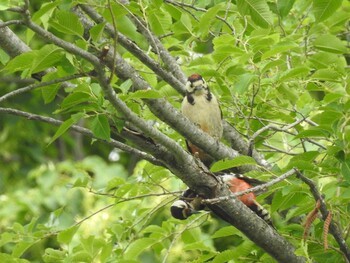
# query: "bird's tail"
{"points": [[261, 212]]}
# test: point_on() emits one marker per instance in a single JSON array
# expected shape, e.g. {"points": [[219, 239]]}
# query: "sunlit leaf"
{"points": [[258, 9], [345, 170], [224, 232], [330, 43], [224, 256], [237, 161], [68, 23], [100, 127], [284, 6], [66, 235], [10, 258], [323, 9], [138, 246], [65, 126]]}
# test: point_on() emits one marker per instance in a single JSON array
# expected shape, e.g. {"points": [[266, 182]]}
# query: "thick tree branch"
{"points": [[155, 43], [11, 43]]}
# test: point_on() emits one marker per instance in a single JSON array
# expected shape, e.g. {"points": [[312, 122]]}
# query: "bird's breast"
{"points": [[204, 113]]}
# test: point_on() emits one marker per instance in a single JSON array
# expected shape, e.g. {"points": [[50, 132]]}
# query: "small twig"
{"points": [[12, 22], [275, 149], [39, 85], [188, 226], [272, 127], [262, 187], [182, 5], [15, 9], [125, 199]]}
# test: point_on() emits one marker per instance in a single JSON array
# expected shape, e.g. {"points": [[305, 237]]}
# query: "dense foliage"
{"points": [[280, 71]]}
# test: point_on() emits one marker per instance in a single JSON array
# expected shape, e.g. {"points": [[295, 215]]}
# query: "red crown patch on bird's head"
{"points": [[194, 77]]}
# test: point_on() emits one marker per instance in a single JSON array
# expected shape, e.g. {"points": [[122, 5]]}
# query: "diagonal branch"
{"points": [[334, 230], [84, 131], [39, 85], [130, 46]]}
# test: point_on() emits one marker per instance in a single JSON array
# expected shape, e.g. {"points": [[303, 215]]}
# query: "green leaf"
{"points": [[224, 232], [313, 132], [21, 247], [100, 127], [224, 256], [160, 22], [224, 47], [323, 9], [96, 31], [279, 48], [21, 62], [45, 9], [345, 170], [204, 23], [137, 247], [300, 71], [10, 259], [7, 237], [74, 99], [284, 6], [186, 22], [291, 198], [199, 245], [327, 75], [49, 92], [36, 60], [46, 57], [82, 256], [66, 125], [322, 60], [66, 235], [114, 183], [237, 161], [330, 43], [258, 10], [243, 82], [53, 255], [67, 23]]}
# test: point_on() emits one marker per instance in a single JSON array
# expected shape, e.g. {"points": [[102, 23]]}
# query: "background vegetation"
{"points": [[68, 194]]}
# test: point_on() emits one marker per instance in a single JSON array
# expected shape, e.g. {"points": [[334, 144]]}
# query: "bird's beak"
{"points": [[191, 211]]}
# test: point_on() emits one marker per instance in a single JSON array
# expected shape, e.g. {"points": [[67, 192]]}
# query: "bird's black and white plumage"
{"points": [[189, 203], [202, 108]]}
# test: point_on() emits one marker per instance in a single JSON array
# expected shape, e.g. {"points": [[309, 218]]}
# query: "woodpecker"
{"points": [[190, 203], [202, 108]]}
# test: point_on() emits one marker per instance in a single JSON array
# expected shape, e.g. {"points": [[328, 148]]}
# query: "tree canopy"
{"points": [[93, 143]]}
